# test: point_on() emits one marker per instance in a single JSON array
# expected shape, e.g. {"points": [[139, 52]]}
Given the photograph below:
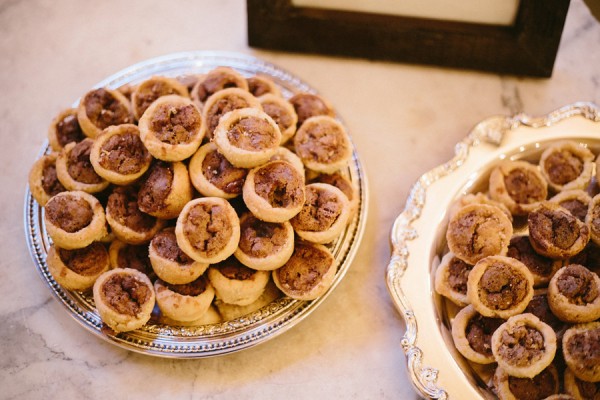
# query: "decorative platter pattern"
{"points": [[228, 336], [435, 368]]}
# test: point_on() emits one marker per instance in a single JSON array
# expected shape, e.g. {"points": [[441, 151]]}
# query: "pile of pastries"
{"points": [[208, 196], [522, 267]]}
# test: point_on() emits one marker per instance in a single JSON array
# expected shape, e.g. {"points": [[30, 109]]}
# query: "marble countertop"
{"points": [[404, 120]]}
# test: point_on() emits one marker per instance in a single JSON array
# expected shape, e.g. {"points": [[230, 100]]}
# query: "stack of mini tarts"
{"points": [[124, 176]]}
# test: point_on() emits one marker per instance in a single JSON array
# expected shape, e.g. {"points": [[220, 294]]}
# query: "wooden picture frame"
{"points": [[528, 47]]}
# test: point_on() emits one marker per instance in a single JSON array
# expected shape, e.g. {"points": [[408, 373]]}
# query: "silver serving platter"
{"points": [[435, 368], [228, 336]]}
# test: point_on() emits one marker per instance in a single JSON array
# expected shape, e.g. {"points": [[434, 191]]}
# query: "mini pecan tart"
{"points": [[593, 219], [477, 231], [541, 386], [260, 85], [124, 299], [216, 80], [574, 294], [283, 114], [476, 198], [232, 311], [309, 105], [213, 175], [75, 170], [524, 346], [575, 201], [171, 128], [451, 279], [101, 108], [499, 286], [74, 219], [221, 103], [554, 232], [43, 182], [324, 215], [580, 390], [344, 184], [64, 129], [567, 165], [308, 274], [540, 307], [235, 283], [127, 222], [472, 335], [247, 137], [184, 302], [323, 144], [542, 268], [274, 192], [208, 229], [119, 156], [166, 190], [151, 89], [518, 185], [264, 245], [77, 269], [581, 349], [125, 255], [170, 263]]}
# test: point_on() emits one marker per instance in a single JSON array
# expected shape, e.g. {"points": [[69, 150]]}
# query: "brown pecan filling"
{"points": [[576, 207], [124, 154], [69, 213], [585, 348], [208, 228], [252, 134], [157, 187], [150, 92], [320, 211], [280, 115], [479, 333], [520, 248], [522, 346], [322, 143], [50, 182], [221, 173], [261, 239], [195, 288], [537, 388], [87, 261], [577, 284], [563, 167], [79, 166], [233, 269], [221, 107], [308, 105], [458, 275], [165, 244], [558, 227], [104, 110], [135, 257], [279, 184], [539, 307], [176, 124], [502, 288], [125, 293], [68, 130], [123, 207], [524, 187], [305, 269]]}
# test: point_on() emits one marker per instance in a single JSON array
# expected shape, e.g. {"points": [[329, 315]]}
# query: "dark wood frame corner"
{"points": [[529, 47]]}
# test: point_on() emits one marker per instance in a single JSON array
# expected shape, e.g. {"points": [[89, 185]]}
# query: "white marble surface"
{"points": [[404, 120]]}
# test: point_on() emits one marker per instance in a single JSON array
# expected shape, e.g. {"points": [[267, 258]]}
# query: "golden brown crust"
{"points": [[151, 89], [124, 299], [323, 144], [274, 192], [567, 165], [324, 215], [184, 303], [524, 346], [171, 128], [237, 284], [261, 85], [221, 103], [208, 229], [77, 269], [518, 185], [472, 335], [101, 108], [75, 170], [232, 311], [581, 350], [64, 129], [43, 180], [283, 114], [554, 232], [264, 246], [74, 219], [593, 219], [574, 294], [247, 137], [119, 156], [477, 231], [499, 286], [451, 279], [308, 274]]}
